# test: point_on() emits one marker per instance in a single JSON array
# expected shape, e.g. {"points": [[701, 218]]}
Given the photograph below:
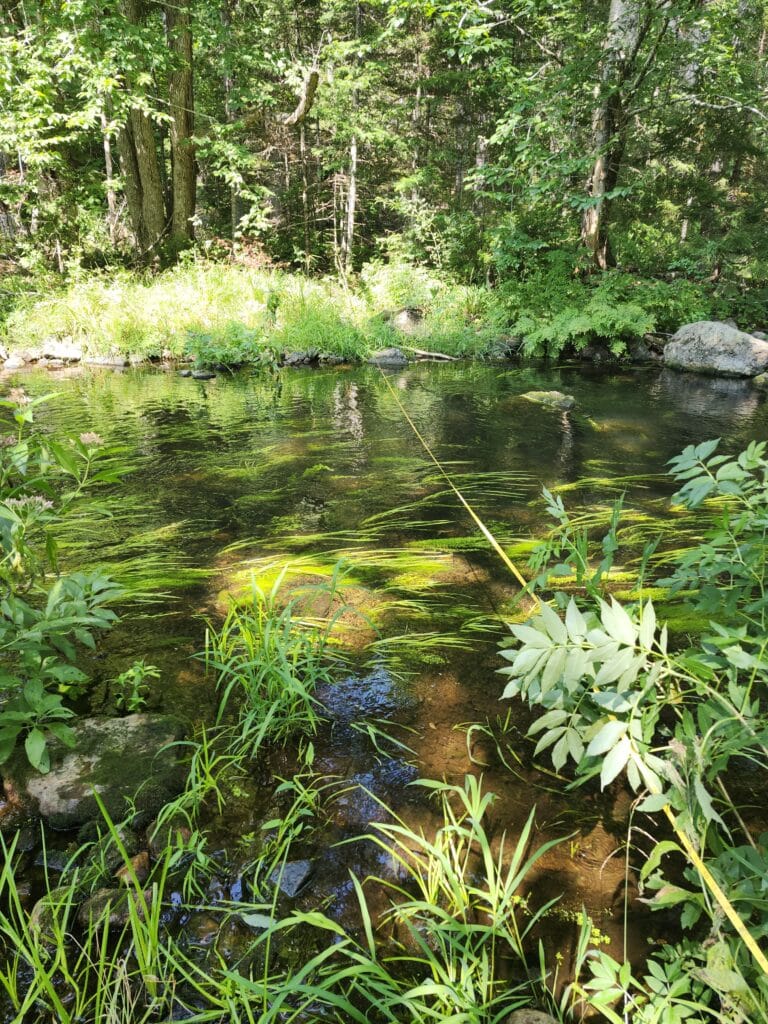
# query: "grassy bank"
{"points": [[226, 313]]}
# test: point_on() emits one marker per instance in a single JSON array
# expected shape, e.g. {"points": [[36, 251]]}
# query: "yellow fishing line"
{"points": [[480, 524]]}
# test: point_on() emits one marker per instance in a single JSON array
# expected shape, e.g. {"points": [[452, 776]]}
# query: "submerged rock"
{"points": [[116, 903], [709, 346], [203, 375], [388, 357], [292, 877], [551, 399], [119, 758]]}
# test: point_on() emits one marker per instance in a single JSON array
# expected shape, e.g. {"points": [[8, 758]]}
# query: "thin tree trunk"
{"points": [[608, 126], [349, 226], [139, 164], [229, 115], [109, 170], [181, 97]]}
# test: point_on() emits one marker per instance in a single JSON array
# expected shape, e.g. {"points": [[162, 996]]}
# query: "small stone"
{"points": [[551, 399], [329, 359], [300, 358], [292, 877], [640, 352], [139, 868], [49, 909], [185, 373], [201, 930], [14, 362], [388, 357]]}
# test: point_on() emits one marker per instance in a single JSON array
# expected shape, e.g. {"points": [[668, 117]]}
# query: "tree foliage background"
{"points": [[492, 139]]}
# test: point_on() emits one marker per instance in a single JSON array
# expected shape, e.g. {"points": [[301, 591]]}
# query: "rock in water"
{"points": [[292, 876], [552, 399], [119, 758], [388, 357], [709, 346]]}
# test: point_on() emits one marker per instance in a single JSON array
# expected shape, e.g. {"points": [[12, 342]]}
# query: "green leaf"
{"points": [[615, 761], [617, 623], [553, 624], [37, 751], [607, 737]]}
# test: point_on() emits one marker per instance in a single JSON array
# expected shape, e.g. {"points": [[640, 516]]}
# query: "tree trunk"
{"points": [[608, 125], [139, 164], [349, 226], [181, 97]]}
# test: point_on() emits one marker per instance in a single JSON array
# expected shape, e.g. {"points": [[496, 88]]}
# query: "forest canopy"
{"points": [[491, 139]]}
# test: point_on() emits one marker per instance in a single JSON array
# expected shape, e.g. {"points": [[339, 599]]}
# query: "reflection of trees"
{"points": [[346, 412]]}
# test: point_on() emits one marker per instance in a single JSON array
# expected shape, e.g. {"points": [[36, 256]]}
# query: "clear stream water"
{"points": [[246, 473]]}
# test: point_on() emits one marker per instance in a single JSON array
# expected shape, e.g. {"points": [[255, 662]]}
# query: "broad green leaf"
{"points": [[554, 624], [617, 623], [575, 622], [607, 737], [615, 761], [37, 750], [647, 626]]}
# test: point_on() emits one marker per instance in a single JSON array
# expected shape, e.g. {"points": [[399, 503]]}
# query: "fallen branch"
{"points": [[423, 354]]}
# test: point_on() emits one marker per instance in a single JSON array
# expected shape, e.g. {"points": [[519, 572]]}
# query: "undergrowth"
{"points": [[228, 314]]}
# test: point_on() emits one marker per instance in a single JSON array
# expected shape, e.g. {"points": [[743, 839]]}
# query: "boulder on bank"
{"points": [[388, 357], [709, 346], [119, 758], [407, 320], [551, 399]]}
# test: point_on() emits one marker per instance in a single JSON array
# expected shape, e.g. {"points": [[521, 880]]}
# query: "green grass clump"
{"points": [[224, 313]]}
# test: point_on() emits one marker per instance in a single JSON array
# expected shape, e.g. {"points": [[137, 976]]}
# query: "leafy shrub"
{"points": [[556, 307], [43, 616], [614, 697]]}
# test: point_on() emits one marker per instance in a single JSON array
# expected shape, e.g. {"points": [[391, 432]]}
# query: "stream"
{"points": [[238, 477]]}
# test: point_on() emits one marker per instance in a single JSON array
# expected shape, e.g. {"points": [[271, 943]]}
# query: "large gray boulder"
{"points": [[716, 348], [120, 758]]}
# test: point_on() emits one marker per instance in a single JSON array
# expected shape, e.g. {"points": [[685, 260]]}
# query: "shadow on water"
{"points": [[242, 475]]}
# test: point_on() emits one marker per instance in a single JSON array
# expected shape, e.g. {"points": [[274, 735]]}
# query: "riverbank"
{"points": [[213, 314]]}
